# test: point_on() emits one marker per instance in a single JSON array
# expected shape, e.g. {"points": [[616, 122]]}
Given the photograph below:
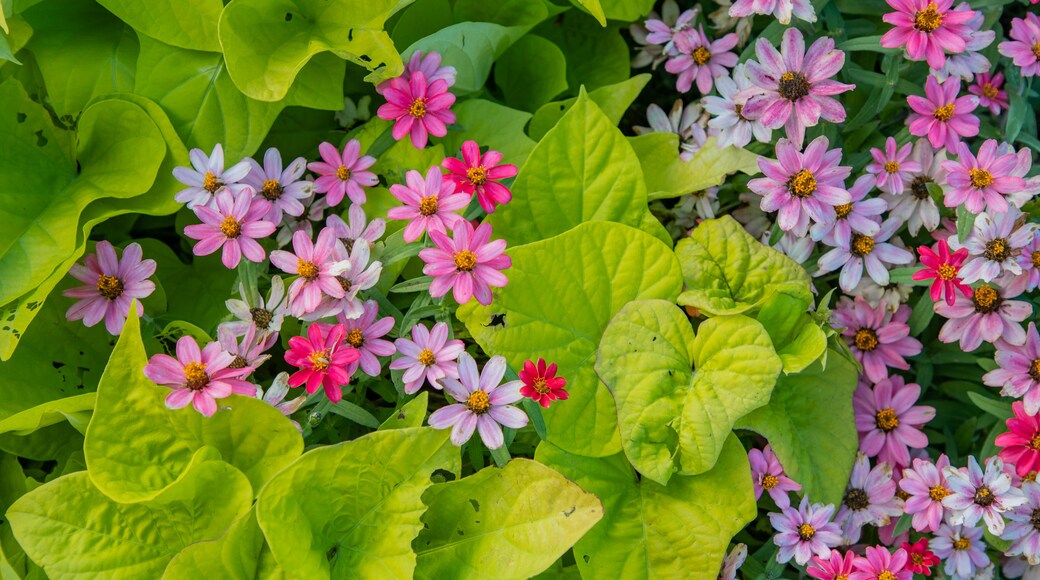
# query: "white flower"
{"points": [[253, 311], [683, 121], [993, 245], [915, 205], [727, 123]]}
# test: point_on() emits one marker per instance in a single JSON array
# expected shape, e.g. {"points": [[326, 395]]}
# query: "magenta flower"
{"points": [[111, 285], [478, 173], [358, 227], [861, 251], [880, 564], [862, 215], [944, 267], [802, 186], [429, 356], [429, 203], [962, 549], [804, 532], [797, 85], [316, 267], [418, 107], [235, 225], [879, 339], [1020, 444], [926, 485], [927, 28], [469, 264], [988, 315], [343, 174], [977, 495], [322, 358], [988, 89], [485, 404], [888, 421], [834, 567], [780, 9], [768, 475], [980, 183], [870, 498], [1018, 370], [1023, 533], [893, 167], [208, 176], [198, 377], [283, 188], [365, 334], [429, 65], [701, 60], [941, 115], [1024, 48]]}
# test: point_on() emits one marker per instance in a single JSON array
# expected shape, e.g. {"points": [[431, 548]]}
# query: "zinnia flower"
{"points": [[919, 559], [862, 251], [322, 358], [275, 396], [988, 315], [479, 173], [418, 108], [198, 377], [317, 268], [980, 183], [768, 475], [1019, 370], [359, 276], [804, 532], [977, 495], [994, 244], [248, 352], [541, 384], [1023, 530], [365, 334], [927, 487], [916, 206], [343, 174], [927, 28], [483, 405], [701, 60], [941, 115], [661, 31], [780, 9], [870, 498], [1020, 445], [732, 562], [878, 338], [988, 89], [944, 267], [429, 65], [967, 64], [111, 285], [862, 215], [880, 564], [357, 228], [728, 122], [893, 166], [469, 263], [684, 121], [235, 225], [430, 204], [1024, 46], [429, 356], [1028, 258], [888, 421], [283, 188], [834, 567], [208, 176], [265, 316], [962, 549]]}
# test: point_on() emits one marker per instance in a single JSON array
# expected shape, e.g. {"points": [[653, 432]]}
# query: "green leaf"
{"points": [[965, 222], [422, 18], [678, 395], [48, 414], [613, 100], [136, 447], [192, 26], [626, 10], [502, 523], [470, 47], [411, 414], [13, 485], [531, 73], [354, 413], [999, 409], [809, 424], [332, 511], [492, 125], [669, 176], [651, 531], [594, 8], [505, 12], [562, 292], [233, 555], [72, 529], [797, 338], [596, 56], [202, 286], [729, 272]]}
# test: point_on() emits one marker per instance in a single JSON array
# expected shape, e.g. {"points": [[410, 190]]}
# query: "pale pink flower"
{"points": [[661, 31], [926, 486], [768, 475], [981, 183], [1022, 531], [728, 122], [313, 212], [275, 396], [893, 167], [962, 549], [361, 275], [469, 263], [862, 215], [880, 564], [967, 64], [265, 316], [941, 115], [1028, 258], [429, 65], [988, 88], [701, 60], [111, 284], [878, 338], [860, 251], [485, 404], [476, 173], [207, 176], [804, 532], [994, 244], [429, 356], [927, 28], [977, 495], [782, 10], [683, 120], [870, 498], [1024, 46], [235, 225], [283, 188], [365, 334], [889, 422], [988, 315], [916, 207], [198, 377], [732, 562], [418, 108], [343, 173], [249, 351], [430, 204], [357, 227], [1018, 370], [317, 268]]}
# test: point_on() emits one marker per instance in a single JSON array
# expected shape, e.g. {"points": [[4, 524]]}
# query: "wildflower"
{"points": [[235, 225], [962, 548], [313, 212], [418, 108], [357, 229], [916, 206], [967, 64], [249, 352], [111, 284], [316, 267], [198, 377], [208, 176], [833, 567], [1022, 169], [890, 296], [365, 334], [980, 496], [941, 115], [654, 37], [805, 531], [275, 396], [469, 263], [888, 421], [429, 204], [282, 188], [683, 121], [927, 28], [870, 498], [728, 122], [1024, 46], [1020, 444], [359, 276], [878, 339], [429, 65], [994, 245], [893, 167], [782, 10], [1024, 529], [987, 315], [797, 84], [871, 252], [541, 384], [980, 183], [1028, 259], [919, 559], [483, 403], [479, 173], [794, 247], [988, 88], [802, 186], [322, 358], [880, 564], [429, 356], [945, 268], [768, 475], [732, 562], [701, 60], [926, 485], [343, 174], [265, 316]]}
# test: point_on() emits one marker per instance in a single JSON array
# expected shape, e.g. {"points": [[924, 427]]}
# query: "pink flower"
{"points": [[802, 186], [732, 562], [780, 9], [981, 183], [944, 267], [927, 28], [861, 251], [469, 264], [893, 168], [430, 204], [283, 189], [834, 567], [942, 116], [1018, 370], [365, 334], [918, 208], [111, 285], [962, 548], [429, 66], [878, 338], [208, 176], [316, 267], [429, 356], [926, 485], [700, 59], [804, 532], [993, 244], [359, 276], [797, 85], [888, 421], [477, 173], [988, 89], [919, 558], [541, 384], [768, 475], [322, 358], [1024, 48], [970, 62], [418, 107], [1020, 445], [662, 31], [862, 215], [198, 377], [977, 495], [484, 403], [870, 498], [249, 352], [343, 174], [988, 315], [880, 564], [1023, 533], [235, 225], [275, 396], [1028, 259], [357, 228]]}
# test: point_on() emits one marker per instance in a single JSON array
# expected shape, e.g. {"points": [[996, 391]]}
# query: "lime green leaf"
{"points": [[797, 338], [233, 555], [626, 10], [531, 73], [47, 414], [562, 292], [809, 424], [729, 272], [331, 511], [492, 125], [411, 414], [136, 447], [596, 56], [295, 31], [73, 530], [613, 100], [651, 531], [470, 47], [594, 8], [669, 176], [502, 523], [13, 485], [582, 170], [506, 12], [192, 26]]}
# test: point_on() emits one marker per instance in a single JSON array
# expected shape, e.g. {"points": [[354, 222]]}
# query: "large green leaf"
{"points": [[613, 100], [75, 409], [505, 12], [502, 523], [470, 47], [562, 292], [13, 485], [729, 272], [187, 25], [136, 447], [809, 424], [797, 338], [596, 56], [626, 10], [233, 555], [652, 531], [531, 73], [73, 530], [491, 125], [667, 175], [353, 509]]}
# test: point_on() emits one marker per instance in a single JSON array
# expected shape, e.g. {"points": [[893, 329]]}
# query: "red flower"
{"points": [[1021, 444], [944, 267], [541, 384], [919, 558], [322, 358], [476, 172]]}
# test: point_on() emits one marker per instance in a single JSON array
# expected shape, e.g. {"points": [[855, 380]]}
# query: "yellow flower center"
{"points": [[928, 19], [271, 190], [1034, 370], [770, 481], [806, 532], [1036, 50], [986, 299], [1031, 476], [1035, 259], [947, 272], [866, 339], [980, 178], [861, 245], [902, 494], [917, 558], [426, 357], [984, 497], [319, 360], [195, 375], [476, 175], [945, 112], [109, 286], [841, 577], [938, 492], [343, 173], [802, 184], [418, 108], [210, 182], [465, 260], [997, 250], [701, 55], [886, 575], [989, 91], [1034, 442], [961, 544], [478, 402], [886, 420], [230, 228], [793, 85], [428, 205], [892, 167], [308, 270], [843, 210], [355, 338], [541, 386]]}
